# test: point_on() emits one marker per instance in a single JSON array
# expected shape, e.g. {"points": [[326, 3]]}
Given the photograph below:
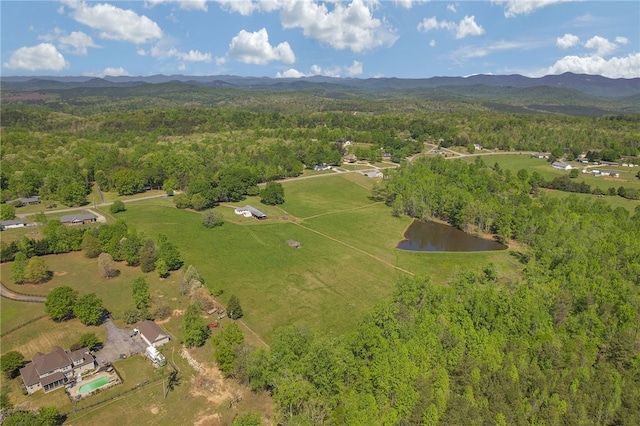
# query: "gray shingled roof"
{"points": [[78, 217]]}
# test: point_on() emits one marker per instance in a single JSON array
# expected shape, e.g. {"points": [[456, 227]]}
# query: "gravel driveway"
{"points": [[118, 342]]}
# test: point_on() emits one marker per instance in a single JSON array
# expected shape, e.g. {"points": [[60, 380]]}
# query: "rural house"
{"points": [[78, 219], [248, 211], [152, 334], [25, 201], [14, 223], [52, 370], [560, 165]]}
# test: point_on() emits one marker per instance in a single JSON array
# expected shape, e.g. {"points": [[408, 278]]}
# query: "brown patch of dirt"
{"points": [[154, 410], [60, 274], [164, 321], [177, 313], [614, 179], [212, 420], [211, 385]]}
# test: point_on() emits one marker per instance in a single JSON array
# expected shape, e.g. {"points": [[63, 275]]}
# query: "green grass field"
{"points": [[627, 177], [346, 264]]}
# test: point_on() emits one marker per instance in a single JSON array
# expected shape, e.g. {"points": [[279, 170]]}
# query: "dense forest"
{"points": [[58, 155], [560, 345]]}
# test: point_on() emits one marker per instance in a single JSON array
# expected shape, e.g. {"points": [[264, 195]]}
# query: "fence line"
{"points": [[18, 327]]}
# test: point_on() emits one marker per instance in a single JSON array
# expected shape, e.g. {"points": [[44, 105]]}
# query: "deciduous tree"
{"points": [[10, 363], [106, 266], [140, 293], [194, 329], [36, 270], [88, 309], [60, 302]]}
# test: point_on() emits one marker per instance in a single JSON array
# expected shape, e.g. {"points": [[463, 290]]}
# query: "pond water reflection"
{"points": [[431, 236]]}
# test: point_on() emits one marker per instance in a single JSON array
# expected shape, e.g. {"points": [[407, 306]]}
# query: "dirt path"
{"points": [[357, 249], [6, 293]]}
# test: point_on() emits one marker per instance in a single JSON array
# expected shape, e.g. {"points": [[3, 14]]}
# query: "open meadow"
{"points": [[346, 264]]}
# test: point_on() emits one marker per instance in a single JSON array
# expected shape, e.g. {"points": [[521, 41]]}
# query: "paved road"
{"points": [[5, 292], [118, 342]]}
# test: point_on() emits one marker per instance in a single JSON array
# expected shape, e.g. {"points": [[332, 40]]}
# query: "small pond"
{"points": [[431, 236]]}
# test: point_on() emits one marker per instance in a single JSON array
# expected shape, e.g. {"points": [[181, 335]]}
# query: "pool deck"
{"points": [[74, 392]]}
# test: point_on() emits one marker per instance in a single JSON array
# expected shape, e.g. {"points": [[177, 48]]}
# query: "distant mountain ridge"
{"points": [[592, 85]]}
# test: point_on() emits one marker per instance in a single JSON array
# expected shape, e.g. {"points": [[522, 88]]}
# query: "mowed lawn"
{"points": [[347, 262]]}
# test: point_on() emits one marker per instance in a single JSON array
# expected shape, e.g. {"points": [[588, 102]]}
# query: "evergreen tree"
{"points": [[234, 310], [148, 256]]}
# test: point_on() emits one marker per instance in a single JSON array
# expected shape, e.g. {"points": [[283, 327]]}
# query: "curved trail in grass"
{"points": [[357, 249], [9, 294]]}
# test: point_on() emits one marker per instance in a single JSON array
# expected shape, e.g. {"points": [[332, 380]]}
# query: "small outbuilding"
{"points": [[25, 201], [248, 211], [153, 335]]}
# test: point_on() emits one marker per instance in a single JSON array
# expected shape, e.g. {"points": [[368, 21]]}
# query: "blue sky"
{"points": [[294, 38]]}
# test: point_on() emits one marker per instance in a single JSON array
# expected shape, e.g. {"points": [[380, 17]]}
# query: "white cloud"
{"points": [[524, 7], [115, 23], [601, 45], [254, 48], [161, 52], [183, 4], [291, 73], [624, 67], [622, 40], [469, 52], [76, 43], [354, 69], [452, 8], [567, 41], [350, 71], [408, 4], [347, 26], [113, 72], [43, 57], [466, 27], [432, 43]]}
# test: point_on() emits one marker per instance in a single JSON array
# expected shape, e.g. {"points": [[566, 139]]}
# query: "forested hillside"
{"points": [[57, 155]]}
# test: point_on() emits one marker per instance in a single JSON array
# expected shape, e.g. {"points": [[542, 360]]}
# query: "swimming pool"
{"points": [[93, 385]]}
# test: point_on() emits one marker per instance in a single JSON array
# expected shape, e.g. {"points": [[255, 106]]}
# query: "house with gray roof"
{"points": [[25, 201], [78, 218], [14, 223], [52, 370]]}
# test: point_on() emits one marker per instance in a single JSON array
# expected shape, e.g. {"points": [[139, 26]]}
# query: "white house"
{"points": [[9, 224], [153, 335], [560, 165]]}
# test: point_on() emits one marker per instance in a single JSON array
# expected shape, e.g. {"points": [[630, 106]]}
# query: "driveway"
{"points": [[118, 342]]}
